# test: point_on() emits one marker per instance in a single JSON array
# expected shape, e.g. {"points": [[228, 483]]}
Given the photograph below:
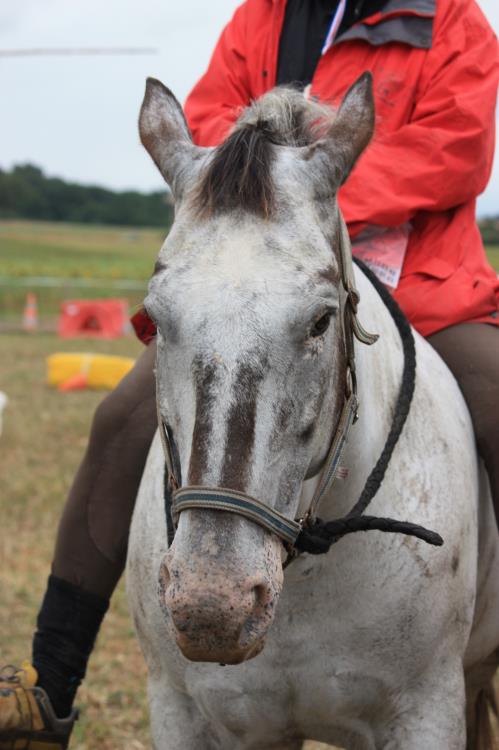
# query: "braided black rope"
{"points": [[318, 536], [404, 398]]}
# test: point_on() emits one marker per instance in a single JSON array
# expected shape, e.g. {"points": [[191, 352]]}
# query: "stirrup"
{"points": [[27, 719]]}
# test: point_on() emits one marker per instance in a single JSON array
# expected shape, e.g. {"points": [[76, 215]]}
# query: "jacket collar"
{"points": [[416, 7], [406, 21], [424, 7]]}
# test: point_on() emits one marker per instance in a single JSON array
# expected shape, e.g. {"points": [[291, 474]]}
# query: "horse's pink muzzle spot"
{"points": [[217, 617]]}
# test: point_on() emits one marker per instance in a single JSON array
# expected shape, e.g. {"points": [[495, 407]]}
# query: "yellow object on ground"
{"points": [[90, 370]]}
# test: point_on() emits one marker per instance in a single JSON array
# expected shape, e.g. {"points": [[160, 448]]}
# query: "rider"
{"points": [[435, 66]]}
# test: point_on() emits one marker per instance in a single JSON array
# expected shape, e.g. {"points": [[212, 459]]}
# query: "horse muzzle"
{"points": [[216, 615]]}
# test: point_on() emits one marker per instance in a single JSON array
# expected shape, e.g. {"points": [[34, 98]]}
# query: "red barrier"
{"points": [[95, 318]]}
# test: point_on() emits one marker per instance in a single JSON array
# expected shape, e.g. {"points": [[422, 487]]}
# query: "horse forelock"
{"points": [[239, 172]]}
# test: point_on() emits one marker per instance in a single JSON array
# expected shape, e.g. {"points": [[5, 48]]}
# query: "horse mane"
{"points": [[239, 172]]}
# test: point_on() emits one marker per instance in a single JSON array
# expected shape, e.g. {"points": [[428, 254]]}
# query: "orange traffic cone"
{"points": [[30, 316], [76, 382]]}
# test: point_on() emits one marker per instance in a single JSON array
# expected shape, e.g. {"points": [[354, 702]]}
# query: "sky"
{"points": [[76, 117]]}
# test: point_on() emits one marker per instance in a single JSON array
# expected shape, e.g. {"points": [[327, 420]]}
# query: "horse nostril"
{"points": [[164, 578], [258, 621], [262, 595]]}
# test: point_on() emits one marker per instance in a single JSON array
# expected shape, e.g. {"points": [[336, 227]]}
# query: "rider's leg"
{"points": [[91, 543], [471, 351]]}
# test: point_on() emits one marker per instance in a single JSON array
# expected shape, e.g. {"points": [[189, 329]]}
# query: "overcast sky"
{"points": [[76, 116]]}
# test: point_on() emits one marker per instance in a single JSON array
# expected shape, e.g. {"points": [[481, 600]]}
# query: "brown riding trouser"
{"points": [[91, 544], [92, 538]]}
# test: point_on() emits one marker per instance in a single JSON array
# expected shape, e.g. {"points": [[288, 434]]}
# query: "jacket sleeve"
{"points": [[443, 156], [216, 101]]}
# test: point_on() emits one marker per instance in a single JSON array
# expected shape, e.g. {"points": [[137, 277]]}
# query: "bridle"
{"points": [[309, 533]]}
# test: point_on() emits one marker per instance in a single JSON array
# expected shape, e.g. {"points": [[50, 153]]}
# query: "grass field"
{"points": [[44, 436], [72, 255], [493, 256]]}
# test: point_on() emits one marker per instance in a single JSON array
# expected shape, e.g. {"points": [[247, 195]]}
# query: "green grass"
{"points": [[44, 436], [78, 251], [99, 255], [493, 256]]}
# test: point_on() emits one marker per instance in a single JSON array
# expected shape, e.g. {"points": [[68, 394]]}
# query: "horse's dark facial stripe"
{"points": [[241, 428], [205, 379]]}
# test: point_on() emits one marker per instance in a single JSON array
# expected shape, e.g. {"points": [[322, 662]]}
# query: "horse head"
{"points": [[248, 300]]}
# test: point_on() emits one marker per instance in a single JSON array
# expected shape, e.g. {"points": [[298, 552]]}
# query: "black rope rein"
{"points": [[317, 537]]}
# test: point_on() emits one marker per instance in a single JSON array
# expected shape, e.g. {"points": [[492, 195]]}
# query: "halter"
{"points": [[309, 533]]}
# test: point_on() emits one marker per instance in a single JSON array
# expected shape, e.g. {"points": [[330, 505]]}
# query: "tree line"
{"points": [[27, 193], [490, 230]]}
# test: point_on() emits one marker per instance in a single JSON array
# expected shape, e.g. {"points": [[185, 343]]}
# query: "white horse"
{"points": [[381, 642]]}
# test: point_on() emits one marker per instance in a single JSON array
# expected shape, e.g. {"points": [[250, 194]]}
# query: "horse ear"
{"points": [[165, 135], [350, 131]]}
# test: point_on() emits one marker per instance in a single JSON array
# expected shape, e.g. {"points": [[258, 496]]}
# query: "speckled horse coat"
{"points": [[375, 644]]}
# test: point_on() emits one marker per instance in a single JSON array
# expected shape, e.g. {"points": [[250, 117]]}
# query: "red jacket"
{"points": [[435, 65]]}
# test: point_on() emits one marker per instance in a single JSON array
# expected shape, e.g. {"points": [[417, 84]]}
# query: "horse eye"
{"points": [[320, 326]]}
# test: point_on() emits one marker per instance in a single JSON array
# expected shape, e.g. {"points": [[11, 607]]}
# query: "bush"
{"points": [[26, 193]]}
